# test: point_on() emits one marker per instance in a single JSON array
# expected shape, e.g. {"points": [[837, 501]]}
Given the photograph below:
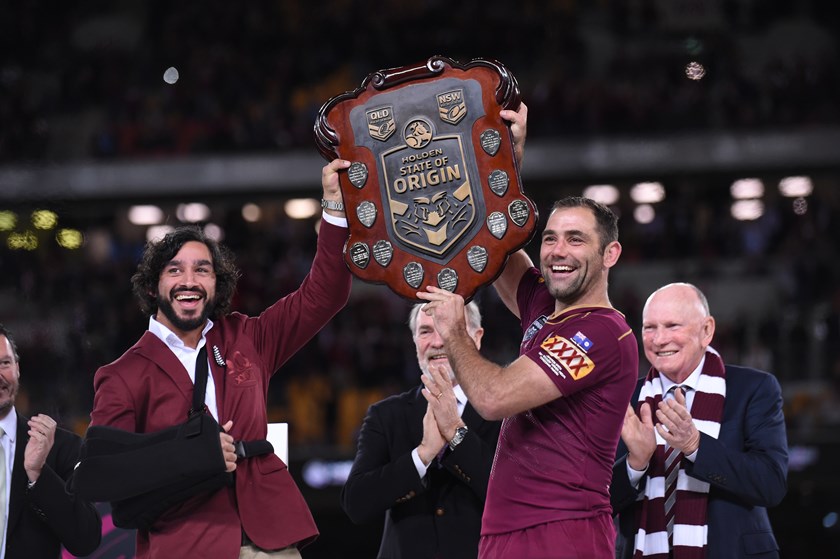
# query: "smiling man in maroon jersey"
{"points": [[562, 401]]}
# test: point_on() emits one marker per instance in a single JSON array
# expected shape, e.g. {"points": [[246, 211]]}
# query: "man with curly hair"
{"points": [[185, 283]]}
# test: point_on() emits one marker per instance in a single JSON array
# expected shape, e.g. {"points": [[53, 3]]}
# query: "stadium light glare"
{"points": [[251, 213], [747, 210], [647, 192], [301, 208], [145, 215], [796, 187], [747, 189], [606, 194], [192, 213]]}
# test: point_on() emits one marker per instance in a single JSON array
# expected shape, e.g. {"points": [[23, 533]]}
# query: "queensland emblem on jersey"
{"points": [[569, 355]]}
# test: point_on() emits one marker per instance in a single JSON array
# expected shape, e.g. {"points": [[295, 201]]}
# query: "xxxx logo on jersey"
{"points": [[570, 356]]}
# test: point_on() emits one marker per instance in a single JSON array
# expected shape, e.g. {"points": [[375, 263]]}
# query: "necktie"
{"points": [[672, 470], [2, 485]]}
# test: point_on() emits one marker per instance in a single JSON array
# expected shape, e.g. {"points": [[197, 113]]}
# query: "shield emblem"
{"points": [[433, 195], [381, 123], [429, 193], [451, 106]]}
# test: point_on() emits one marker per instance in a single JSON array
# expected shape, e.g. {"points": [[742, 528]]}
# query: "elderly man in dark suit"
{"points": [[704, 450], [37, 516], [424, 461]]}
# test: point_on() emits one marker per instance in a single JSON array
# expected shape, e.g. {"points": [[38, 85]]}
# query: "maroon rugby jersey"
{"points": [[555, 462]]}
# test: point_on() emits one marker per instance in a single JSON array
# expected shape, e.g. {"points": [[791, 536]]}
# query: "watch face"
{"points": [[460, 433]]}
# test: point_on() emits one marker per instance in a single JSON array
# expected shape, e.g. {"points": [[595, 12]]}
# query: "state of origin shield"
{"points": [[433, 195]]}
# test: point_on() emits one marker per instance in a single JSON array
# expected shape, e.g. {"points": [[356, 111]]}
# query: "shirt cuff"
{"points": [[635, 475], [418, 464], [693, 456], [333, 220]]}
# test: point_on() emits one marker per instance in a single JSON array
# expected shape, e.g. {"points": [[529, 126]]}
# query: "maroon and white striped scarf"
{"points": [[690, 528]]}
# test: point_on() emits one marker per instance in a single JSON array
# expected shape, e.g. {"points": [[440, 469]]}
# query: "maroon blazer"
{"points": [[147, 389]]}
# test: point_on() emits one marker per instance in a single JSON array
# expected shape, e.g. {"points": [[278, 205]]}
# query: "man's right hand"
{"points": [[637, 433], [518, 120], [228, 449]]}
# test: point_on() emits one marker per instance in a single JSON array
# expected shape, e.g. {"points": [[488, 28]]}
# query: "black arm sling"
{"points": [[143, 475]]}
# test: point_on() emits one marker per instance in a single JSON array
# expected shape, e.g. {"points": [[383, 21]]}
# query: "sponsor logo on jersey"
{"points": [[571, 357], [534, 328], [582, 341]]}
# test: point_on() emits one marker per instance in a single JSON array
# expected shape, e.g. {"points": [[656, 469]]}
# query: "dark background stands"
{"points": [[84, 109]]}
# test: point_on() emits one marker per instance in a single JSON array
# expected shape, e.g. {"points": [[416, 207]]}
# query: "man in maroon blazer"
{"points": [[185, 283]]}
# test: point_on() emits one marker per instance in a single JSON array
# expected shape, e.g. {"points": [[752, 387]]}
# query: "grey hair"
{"points": [[471, 311]]}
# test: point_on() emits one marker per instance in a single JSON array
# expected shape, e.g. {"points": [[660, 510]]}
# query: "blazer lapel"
{"points": [[214, 342], [152, 348], [17, 492], [415, 418]]}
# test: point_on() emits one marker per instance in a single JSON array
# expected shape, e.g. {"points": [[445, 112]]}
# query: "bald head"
{"points": [[676, 329], [687, 292]]}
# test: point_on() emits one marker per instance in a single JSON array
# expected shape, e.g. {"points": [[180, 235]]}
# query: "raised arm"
{"points": [[508, 282]]}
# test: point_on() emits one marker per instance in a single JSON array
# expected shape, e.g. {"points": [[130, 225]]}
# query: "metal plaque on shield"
{"points": [[433, 172]]}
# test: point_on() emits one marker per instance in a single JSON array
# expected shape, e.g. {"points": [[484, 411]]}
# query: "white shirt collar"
{"points": [[690, 382], [170, 338], [9, 424], [460, 395]]}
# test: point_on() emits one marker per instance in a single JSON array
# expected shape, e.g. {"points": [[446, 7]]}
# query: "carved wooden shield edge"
{"points": [[507, 96]]}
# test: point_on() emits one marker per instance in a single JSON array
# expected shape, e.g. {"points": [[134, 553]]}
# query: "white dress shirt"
{"points": [[187, 356], [9, 425]]}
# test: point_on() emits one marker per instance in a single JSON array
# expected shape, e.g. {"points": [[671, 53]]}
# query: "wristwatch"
{"points": [[460, 433], [332, 205]]}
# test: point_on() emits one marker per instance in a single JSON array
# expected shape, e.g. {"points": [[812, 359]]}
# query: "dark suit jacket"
{"points": [[746, 467], [46, 517], [147, 390], [442, 512]]}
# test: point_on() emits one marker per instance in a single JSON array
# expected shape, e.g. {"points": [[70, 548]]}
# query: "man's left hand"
{"points": [[440, 395], [330, 183], [676, 425], [41, 438]]}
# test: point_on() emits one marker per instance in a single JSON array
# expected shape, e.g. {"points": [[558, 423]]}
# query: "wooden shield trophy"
{"points": [[433, 195]]}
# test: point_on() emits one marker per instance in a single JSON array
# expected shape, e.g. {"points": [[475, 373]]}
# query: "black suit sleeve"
{"points": [[471, 461], [74, 521], [378, 479], [622, 493]]}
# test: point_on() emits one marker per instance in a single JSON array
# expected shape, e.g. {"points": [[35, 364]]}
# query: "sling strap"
{"points": [[244, 449], [200, 383]]}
